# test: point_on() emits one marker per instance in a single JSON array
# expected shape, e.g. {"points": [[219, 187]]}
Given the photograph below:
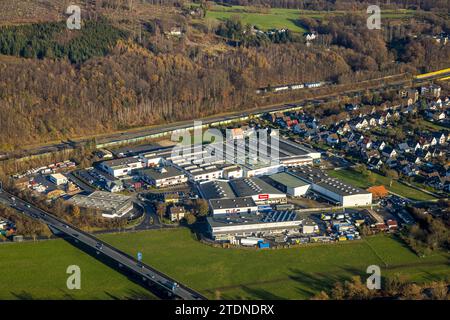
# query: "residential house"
{"points": [[404, 147], [389, 152], [440, 137], [332, 139], [375, 163], [176, 213], [410, 170]]}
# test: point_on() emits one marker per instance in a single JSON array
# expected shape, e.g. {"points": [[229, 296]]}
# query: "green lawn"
{"points": [[37, 270], [283, 18], [355, 178], [431, 126], [295, 273]]}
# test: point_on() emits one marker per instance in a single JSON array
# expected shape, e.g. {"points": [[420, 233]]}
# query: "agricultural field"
{"points": [[277, 18], [296, 273], [357, 179], [37, 270]]}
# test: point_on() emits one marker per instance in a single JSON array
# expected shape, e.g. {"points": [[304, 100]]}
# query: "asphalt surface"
{"points": [[147, 273]]}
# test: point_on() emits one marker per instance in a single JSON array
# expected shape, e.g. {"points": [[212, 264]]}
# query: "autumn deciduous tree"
{"points": [[202, 208], [190, 218]]}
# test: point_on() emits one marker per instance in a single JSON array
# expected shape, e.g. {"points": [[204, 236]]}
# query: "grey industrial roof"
{"points": [[288, 180], [223, 220], [216, 190], [232, 203], [120, 162], [321, 178], [161, 172], [246, 187], [101, 200], [340, 188], [308, 174]]}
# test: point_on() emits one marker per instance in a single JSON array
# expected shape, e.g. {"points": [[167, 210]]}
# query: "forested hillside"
{"points": [[124, 68]]}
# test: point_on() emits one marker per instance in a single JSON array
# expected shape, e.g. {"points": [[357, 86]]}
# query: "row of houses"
{"points": [[361, 136]]}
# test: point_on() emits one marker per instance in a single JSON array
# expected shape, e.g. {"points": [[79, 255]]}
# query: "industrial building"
{"points": [[289, 184], [333, 189], [121, 167], [226, 227], [260, 191], [111, 205], [233, 205], [162, 176], [58, 179], [231, 159], [216, 189]]}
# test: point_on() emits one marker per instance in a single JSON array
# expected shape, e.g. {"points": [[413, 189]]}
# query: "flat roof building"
{"points": [[163, 176], [227, 227], [111, 205], [333, 189], [289, 184], [216, 189], [233, 205], [121, 167], [58, 179], [259, 190]]}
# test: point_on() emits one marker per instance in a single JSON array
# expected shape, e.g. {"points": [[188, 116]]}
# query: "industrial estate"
{"points": [[239, 150]]}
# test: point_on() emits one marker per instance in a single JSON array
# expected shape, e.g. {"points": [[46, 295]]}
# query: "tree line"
{"points": [[49, 40], [393, 287], [133, 81]]}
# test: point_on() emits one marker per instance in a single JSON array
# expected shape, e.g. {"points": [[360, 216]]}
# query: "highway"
{"points": [[123, 260]]}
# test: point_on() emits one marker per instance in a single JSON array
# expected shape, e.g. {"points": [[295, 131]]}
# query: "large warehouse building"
{"points": [[260, 191], [239, 195], [111, 205], [233, 205], [289, 184], [227, 227], [333, 189]]}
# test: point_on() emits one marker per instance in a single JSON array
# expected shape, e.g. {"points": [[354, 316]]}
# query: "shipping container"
{"points": [[263, 245], [250, 241]]}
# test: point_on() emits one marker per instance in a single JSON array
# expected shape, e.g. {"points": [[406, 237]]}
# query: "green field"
{"points": [[357, 179], [285, 273], [226, 273], [38, 271], [277, 18]]}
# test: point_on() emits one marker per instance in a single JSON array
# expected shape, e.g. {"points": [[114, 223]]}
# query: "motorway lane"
{"points": [[146, 272]]}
